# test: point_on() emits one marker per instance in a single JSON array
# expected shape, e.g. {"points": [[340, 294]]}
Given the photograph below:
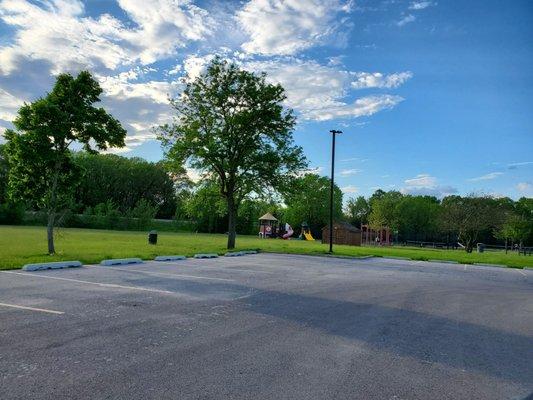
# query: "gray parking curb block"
{"points": [[207, 255], [121, 261], [249, 252], [343, 257], [397, 258], [234, 254], [51, 265], [169, 258], [491, 265], [444, 261]]}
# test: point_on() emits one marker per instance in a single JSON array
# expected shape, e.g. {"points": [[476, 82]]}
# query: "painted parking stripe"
{"points": [[31, 308], [160, 273], [108, 285]]}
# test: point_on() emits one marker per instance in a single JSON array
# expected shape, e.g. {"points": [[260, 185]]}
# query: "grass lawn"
{"points": [[21, 245]]}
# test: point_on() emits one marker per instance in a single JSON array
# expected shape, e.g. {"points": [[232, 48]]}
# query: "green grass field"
{"points": [[21, 245]]}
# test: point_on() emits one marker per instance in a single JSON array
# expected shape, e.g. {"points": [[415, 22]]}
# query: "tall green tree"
{"points": [[125, 181], [42, 172], [467, 217], [308, 200], [231, 125], [384, 209], [417, 217], [358, 210]]}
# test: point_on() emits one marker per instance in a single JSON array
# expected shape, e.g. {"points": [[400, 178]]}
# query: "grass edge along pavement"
{"points": [[20, 245]]}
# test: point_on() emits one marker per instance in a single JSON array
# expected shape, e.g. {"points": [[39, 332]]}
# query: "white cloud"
{"points": [[58, 31], [284, 27], [426, 185], [350, 189], [378, 80], [195, 65], [519, 164], [486, 177], [318, 91], [349, 172], [9, 105], [405, 20], [421, 180], [420, 5], [525, 188]]}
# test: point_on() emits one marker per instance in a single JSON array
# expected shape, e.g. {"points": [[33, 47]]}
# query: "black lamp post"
{"points": [[333, 133]]}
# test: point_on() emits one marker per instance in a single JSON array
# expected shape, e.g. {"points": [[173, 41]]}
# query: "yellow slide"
{"points": [[308, 236]]}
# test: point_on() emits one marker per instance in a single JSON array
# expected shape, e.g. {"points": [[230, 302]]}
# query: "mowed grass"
{"points": [[21, 245]]}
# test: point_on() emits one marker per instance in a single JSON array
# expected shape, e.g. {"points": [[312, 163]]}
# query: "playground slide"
{"points": [[308, 236], [289, 233]]}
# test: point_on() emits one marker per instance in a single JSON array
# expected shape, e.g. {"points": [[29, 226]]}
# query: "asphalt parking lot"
{"points": [[267, 326]]}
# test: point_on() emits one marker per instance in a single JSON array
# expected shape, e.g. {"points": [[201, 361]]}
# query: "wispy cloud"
{"points": [[519, 164], [406, 20], [350, 189], [420, 5], [426, 185], [525, 188], [486, 177], [366, 80], [349, 172]]}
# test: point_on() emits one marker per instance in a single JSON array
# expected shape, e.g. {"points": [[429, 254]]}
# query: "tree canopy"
{"points": [[232, 126], [41, 170]]}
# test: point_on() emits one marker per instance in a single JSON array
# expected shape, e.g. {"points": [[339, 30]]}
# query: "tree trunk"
{"points": [[232, 222], [50, 231], [52, 211]]}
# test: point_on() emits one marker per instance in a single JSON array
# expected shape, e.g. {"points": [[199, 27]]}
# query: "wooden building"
{"points": [[343, 233]]}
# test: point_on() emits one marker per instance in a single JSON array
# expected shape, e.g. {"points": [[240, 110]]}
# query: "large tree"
{"points": [[125, 181], [307, 200], [42, 172], [357, 210], [232, 126], [467, 217]]}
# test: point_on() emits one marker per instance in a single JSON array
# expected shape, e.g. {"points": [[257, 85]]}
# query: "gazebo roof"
{"points": [[268, 217]]}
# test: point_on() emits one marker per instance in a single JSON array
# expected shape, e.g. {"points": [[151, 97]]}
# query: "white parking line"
{"points": [[109, 285], [31, 308], [162, 273]]}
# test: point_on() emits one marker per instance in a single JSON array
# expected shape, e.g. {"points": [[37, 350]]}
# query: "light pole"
{"points": [[333, 133]]}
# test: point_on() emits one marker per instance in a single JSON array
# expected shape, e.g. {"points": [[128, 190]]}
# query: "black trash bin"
{"points": [[152, 237], [480, 247]]}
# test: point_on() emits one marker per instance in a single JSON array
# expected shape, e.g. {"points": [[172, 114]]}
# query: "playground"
{"points": [[369, 328]]}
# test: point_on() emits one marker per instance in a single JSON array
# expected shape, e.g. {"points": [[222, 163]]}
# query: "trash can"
{"points": [[480, 247], [152, 237]]}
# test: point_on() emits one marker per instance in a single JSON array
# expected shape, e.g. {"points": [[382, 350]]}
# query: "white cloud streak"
{"points": [[486, 177]]}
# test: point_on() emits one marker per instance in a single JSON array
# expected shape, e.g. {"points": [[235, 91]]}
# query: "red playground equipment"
{"points": [[267, 226], [375, 237]]}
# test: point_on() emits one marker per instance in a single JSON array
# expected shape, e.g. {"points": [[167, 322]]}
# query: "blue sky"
{"points": [[434, 97]]}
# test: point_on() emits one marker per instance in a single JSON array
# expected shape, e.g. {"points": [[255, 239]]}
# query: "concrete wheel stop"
{"points": [[169, 258], [206, 255], [51, 265], [121, 261]]}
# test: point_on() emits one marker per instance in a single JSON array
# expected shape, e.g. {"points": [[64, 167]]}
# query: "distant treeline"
{"points": [[130, 193]]}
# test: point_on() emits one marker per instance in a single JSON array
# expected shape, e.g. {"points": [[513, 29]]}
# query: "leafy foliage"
{"points": [[41, 170], [358, 211], [308, 200], [232, 126], [126, 181]]}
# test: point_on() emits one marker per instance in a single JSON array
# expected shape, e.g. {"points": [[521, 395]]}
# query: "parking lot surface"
{"points": [[267, 326]]}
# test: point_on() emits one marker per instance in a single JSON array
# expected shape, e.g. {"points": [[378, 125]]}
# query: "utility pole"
{"points": [[333, 133]]}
